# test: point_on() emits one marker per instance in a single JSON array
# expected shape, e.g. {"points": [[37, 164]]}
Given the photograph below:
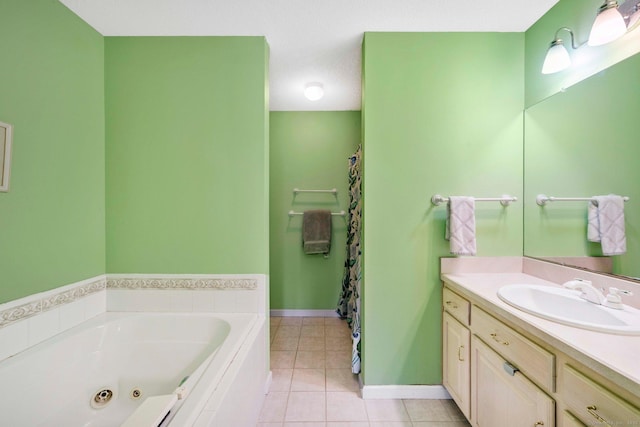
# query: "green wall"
{"points": [[442, 114], [187, 154], [52, 226], [575, 150], [309, 150]]}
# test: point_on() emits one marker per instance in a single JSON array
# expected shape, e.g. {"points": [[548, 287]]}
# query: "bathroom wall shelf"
{"points": [[542, 199], [504, 200], [341, 213], [332, 191]]}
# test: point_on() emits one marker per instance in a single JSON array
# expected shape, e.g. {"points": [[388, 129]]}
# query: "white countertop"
{"points": [[616, 357]]}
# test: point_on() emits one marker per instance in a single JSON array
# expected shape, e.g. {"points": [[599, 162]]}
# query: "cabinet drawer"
{"points": [[534, 361], [569, 420], [593, 404], [457, 306]]}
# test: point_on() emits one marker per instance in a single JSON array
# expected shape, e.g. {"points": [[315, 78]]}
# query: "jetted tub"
{"points": [[99, 372]]}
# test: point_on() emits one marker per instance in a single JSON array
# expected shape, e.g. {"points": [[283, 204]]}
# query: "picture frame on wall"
{"points": [[6, 137]]}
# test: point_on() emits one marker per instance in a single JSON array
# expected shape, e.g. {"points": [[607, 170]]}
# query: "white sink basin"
{"points": [[565, 306]]}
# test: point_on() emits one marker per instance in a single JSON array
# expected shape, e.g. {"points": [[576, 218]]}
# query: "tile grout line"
{"points": [[296, 353]]}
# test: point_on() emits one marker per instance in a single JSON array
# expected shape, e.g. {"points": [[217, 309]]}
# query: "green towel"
{"points": [[316, 231]]}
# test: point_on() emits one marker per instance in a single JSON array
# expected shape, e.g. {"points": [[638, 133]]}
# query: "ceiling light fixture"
{"points": [[557, 58], [608, 26], [313, 91]]}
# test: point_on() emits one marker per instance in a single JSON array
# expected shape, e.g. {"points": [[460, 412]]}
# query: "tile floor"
{"points": [[313, 385]]}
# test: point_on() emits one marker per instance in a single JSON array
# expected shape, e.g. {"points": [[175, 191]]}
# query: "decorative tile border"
{"points": [[37, 304], [49, 302], [182, 284], [20, 312]]}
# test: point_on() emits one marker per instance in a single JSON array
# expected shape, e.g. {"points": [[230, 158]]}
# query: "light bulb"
{"points": [[634, 20], [608, 26], [557, 58], [313, 91]]}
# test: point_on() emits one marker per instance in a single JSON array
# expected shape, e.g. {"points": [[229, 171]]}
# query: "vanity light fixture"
{"points": [[608, 26], [557, 58], [314, 91]]}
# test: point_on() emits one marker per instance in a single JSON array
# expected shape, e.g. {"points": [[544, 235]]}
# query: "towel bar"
{"points": [[505, 200], [332, 191], [542, 199], [341, 213]]}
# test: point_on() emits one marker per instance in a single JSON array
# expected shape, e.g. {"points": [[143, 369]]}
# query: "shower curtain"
{"points": [[349, 303]]}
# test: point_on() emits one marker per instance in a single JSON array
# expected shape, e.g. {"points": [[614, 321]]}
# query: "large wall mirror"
{"points": [[582, 142], [5, 155]]}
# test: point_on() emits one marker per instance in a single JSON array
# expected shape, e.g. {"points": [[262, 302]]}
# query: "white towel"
{"points": [[593, 225], [607, 224], [461, 225]]}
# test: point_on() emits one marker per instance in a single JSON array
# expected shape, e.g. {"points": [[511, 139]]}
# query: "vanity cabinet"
{"points": [[526, 371], [486, 366], [502, 395], [456, 374]]}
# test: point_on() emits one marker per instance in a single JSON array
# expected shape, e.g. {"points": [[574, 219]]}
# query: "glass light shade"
{"points": [[634, 20], [313, 91], [557, 58], [608, 26]]}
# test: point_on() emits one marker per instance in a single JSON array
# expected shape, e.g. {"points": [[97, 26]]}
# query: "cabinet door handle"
{"points": [[509, 368], [460, 355], [539, 423], [451, 304], [499, 340], [591, 409]]}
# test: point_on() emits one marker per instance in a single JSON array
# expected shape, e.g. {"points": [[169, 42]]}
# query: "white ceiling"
{"points": [[309, 40]]}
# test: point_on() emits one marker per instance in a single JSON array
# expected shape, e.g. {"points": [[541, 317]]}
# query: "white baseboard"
{"points": [[267, 383], [405, 392], [304, 313]]}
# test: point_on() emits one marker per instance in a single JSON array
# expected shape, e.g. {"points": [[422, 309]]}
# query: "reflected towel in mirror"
{"points": [[606, 224]]}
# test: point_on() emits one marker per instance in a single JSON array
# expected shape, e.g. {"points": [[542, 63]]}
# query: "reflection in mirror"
{"points": [[584, 142], [602, 264]]}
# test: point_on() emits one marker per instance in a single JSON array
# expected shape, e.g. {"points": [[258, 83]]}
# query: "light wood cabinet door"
{"points": [[500, 398], [456, 364]]}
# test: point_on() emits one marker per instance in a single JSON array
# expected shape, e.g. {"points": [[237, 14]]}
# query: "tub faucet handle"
{"points": [[614, 298]]}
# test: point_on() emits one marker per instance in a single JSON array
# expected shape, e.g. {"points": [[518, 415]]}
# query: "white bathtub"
{"points": [[134, 356]]}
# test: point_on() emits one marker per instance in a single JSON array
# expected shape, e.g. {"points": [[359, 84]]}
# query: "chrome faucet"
{"points": [[589, 292]]}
